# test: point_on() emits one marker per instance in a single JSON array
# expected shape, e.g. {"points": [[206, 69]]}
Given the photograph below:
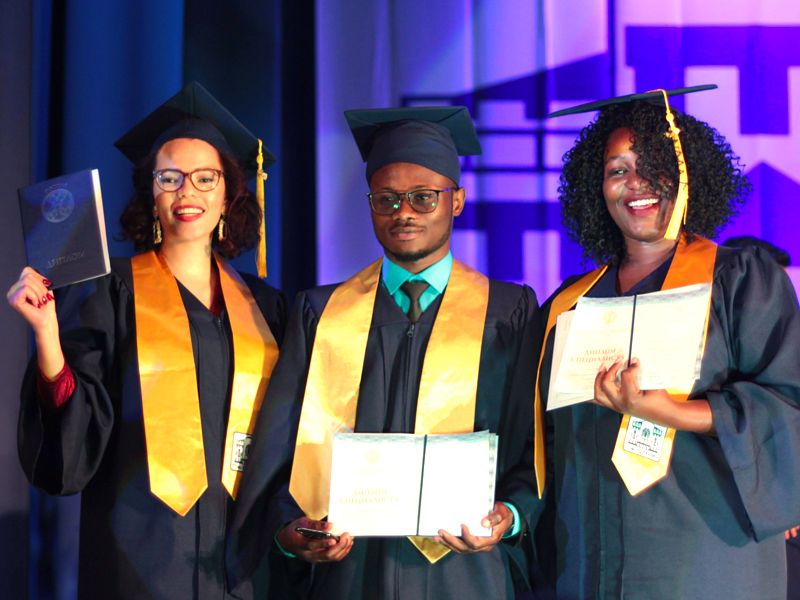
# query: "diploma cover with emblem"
{"points": [[64, 228]]}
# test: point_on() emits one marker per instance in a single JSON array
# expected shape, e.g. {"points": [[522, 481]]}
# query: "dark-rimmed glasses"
{"points": [[422, 201], [171, 180]]}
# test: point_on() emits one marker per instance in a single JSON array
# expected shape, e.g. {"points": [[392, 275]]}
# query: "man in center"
{"points": [[417, 342]]}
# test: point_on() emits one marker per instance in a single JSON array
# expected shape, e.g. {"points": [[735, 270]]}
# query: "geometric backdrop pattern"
{"points": [[511, 63]]}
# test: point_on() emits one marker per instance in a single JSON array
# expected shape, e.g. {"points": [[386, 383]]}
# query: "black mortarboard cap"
{"points": [[433, 137], [194, 113], [655, 97]]}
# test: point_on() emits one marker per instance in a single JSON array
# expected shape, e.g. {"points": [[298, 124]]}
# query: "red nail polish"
{"points": [[50, 296], [47, 282]]}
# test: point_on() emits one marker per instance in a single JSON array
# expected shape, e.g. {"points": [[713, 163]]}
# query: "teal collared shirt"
{"points": [[436, 276]]}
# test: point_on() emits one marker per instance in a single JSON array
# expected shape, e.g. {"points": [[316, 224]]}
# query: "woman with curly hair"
{"points": [[700, 516], [146, 382]]}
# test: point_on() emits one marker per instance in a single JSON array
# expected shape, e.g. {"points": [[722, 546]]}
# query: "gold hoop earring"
{"points": [[221, 228], [156, 227]]}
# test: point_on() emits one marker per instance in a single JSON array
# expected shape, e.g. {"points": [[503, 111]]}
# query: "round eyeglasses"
{"points": [[422, 201], [171, 180]]}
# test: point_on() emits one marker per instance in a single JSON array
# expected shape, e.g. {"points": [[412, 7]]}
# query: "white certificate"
{"points": [[664, 330], [556, 399], [406, 484]]}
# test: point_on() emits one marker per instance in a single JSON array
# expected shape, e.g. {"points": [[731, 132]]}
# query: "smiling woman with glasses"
{"points": [[151, 375]]}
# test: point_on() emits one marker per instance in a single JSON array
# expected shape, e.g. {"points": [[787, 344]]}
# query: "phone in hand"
{"points": [[315, 534]]}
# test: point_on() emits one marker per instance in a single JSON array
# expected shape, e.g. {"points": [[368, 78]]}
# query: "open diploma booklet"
{"points": [[397, 484], [664, 330]]}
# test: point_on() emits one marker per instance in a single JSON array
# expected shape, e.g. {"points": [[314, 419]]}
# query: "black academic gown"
{"points": [[392, 568], [713, 527], [132, 546]]}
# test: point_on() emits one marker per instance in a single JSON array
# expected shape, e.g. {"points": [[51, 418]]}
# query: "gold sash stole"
{"points": [[170, 401], [448, 384], [693, 263]]}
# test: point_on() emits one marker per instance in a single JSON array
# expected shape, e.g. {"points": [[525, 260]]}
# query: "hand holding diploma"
{"points": [[501, 519], [623, 395], [314, 550]]}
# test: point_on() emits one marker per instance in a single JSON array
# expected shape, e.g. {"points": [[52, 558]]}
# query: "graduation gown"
{"points": [[713, 527], [132, 546], [393, 567]]}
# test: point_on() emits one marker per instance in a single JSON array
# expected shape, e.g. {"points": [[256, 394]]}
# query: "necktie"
{"points": [[414, 290]]}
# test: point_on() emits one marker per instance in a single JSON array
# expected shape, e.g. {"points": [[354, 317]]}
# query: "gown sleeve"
{"points": [[60, 451], [754, 350], [518, 482]]}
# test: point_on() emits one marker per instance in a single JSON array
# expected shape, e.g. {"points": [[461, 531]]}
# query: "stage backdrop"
{"points": [[514, 61]]}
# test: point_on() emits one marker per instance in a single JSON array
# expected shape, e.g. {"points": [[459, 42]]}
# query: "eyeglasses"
{"points": [[171, 180], [422, 201]]}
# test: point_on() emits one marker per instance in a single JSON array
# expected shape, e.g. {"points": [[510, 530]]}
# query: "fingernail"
{"points": [[39, 305], [50, 296], [47, 282]]}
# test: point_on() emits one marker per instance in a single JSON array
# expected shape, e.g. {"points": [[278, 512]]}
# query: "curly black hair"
{"points": [[717, 185], [242, 213]]}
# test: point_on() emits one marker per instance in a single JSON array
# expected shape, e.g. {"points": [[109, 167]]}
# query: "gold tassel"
{"points": [[678, 219], [261, 177], [156, 227]]}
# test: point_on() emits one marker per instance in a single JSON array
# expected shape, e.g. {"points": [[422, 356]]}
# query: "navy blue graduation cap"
{"points": [[655, 97], [433, 137], [194, 113]]}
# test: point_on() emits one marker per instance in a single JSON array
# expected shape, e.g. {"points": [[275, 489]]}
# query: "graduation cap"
{"points": [[194, 113], [655, 97], [433, 137], [659, 98]]}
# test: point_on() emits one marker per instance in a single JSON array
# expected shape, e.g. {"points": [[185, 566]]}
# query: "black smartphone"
{"points": [[315, 534]]}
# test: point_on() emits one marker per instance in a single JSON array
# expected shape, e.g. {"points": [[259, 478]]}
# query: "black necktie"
{"points": [[414, 290]]}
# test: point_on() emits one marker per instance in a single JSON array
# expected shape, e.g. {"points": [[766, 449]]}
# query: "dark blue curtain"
{"points": [[15, 156]]}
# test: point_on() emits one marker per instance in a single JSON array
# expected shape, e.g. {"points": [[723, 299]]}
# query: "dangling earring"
{"points": [[156, 227], [221, 228]]}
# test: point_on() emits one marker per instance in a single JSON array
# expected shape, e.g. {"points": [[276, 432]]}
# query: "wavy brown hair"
{"points": [[717, 185], [242, 213]]}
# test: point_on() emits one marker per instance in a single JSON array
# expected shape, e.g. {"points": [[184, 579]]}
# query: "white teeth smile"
{"points": [[643, 202], [188, 211]]}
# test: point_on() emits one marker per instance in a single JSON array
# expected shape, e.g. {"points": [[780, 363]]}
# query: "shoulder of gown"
{"points": [[273, 305]]}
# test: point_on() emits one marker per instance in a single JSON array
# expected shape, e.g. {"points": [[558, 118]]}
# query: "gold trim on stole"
{"points": [[450, 371], [560, 304], [170, 401], [255, 353], [692, 263]]}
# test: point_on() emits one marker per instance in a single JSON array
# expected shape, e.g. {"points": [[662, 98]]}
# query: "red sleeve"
{"points": [[55, 394]]}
